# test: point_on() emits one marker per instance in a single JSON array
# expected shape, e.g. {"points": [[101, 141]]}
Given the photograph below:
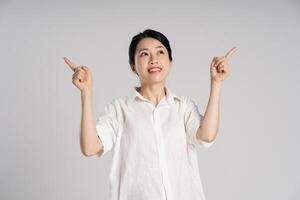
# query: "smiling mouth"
{"points": [[154, 70]]}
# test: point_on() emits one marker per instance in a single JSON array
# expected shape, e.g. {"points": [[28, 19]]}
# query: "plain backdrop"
{"points": [[256, 153]]}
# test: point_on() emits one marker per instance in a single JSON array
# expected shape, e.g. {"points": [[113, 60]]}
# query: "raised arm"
{"points": [[90, 143], [219, 70]]}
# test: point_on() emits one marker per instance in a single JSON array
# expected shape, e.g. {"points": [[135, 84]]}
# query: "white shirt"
{"points": [[153, 147]]}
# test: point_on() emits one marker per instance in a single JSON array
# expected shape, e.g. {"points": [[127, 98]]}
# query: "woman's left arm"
{"points": [[219, 70]]}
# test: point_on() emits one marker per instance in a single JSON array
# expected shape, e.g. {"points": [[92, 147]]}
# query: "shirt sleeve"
{"points": [[107, 127], [193, 119]]}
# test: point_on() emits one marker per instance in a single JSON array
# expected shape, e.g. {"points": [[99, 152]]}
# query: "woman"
{"points": [[153, 132]]}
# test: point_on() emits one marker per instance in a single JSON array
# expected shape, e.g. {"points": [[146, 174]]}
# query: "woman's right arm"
{"points": [[89, 140], [90, 143]]}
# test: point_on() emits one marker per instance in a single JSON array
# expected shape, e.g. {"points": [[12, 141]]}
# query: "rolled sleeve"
{"points": [[193, 119], [107, 127]]}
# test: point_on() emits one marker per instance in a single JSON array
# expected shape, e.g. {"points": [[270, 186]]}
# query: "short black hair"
{"points": [[148, 33]]}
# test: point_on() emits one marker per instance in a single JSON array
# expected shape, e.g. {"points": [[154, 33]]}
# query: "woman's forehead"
{"points": [[149, 43]]}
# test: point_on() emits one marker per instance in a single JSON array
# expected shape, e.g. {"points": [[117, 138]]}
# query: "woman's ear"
{"points": [[133, 69]]}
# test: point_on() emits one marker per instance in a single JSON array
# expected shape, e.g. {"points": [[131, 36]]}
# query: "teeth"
{"points": [[154, 69]]}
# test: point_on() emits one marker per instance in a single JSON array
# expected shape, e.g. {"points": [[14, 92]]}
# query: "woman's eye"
{"points": [[161, 52], [144, 53]]}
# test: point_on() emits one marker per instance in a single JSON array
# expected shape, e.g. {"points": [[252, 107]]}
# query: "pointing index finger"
{"points": [[70, 64], [230, 52]]}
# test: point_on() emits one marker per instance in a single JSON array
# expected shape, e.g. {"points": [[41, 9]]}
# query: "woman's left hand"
{"points": [[219, 69]]}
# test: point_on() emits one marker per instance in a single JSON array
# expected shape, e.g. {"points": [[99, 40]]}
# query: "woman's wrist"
{"points": [[215, 84], [86, 93]]}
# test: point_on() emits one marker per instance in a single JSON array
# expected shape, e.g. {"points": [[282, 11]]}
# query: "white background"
{"points": [[256, 153]]}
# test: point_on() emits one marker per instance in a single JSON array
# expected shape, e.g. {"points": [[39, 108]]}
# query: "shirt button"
{"points": [[155, 114]]}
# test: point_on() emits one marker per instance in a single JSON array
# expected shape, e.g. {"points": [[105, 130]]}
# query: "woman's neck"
{"points": [[153, 93]]}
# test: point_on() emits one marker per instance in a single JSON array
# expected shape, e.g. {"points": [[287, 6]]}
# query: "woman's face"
{"points": [[152, 62]]}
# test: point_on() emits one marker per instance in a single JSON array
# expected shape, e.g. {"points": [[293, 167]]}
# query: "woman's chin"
{"points": [[154, 81]]}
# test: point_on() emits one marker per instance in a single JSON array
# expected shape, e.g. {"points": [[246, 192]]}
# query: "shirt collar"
{"points": [[134, 94]]}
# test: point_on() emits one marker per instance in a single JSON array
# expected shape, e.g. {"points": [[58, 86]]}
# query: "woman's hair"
{"points": [[147, 33]]}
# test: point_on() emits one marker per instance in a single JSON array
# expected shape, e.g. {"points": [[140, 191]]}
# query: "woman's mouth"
{"points": [[154, 70]]}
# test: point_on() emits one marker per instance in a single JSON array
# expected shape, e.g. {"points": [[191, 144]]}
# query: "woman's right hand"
{"points": [[82, 77]]}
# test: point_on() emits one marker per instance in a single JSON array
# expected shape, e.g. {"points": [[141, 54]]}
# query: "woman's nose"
{"points": [[153, 60]]}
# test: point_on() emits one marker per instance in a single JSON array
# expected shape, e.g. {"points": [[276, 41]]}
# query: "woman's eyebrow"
{"points": [[148, 49]]}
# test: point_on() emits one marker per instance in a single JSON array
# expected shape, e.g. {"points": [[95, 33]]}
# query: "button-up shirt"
{"points": [[153, 147]]}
